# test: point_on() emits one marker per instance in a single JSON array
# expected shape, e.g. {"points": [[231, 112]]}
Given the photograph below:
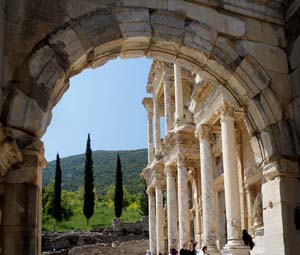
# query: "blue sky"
{"points": [[107, 103]]}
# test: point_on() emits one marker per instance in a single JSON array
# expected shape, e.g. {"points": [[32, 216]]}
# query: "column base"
{"points": [[212, 250], [239, 249]]}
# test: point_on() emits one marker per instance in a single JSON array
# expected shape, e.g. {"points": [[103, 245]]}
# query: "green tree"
{"points": [[144, 200], [57, 192], [47, 200], [89, 195], [118, 199]]}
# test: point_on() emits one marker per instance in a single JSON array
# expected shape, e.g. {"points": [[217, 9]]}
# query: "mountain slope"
{"points": [[133, 161]]}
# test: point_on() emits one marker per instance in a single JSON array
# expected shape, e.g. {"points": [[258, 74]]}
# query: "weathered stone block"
{"points": [[136, 31], [295, 83], [220, 22], [264, 32], [106, 52], [46, 70], [271, 105], [153, 4], [257, 149], [68, 41], [294, 56], [270, 57], [281, 85], [198, 42], [167, 26], [255, 109], [24, 113], [101, 27], [38, 60], [74, 9]]}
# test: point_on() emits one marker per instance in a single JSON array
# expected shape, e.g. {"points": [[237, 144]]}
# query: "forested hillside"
{"points": [[132, 161]]}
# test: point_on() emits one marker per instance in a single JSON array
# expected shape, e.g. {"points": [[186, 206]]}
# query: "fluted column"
{"points": [[167, 99], [152, 221], [148, 104], [160, 241], [157, 125], [209, 214], [150, 137], [172, 208], [231, 185], [183, 203], [178, 93]]}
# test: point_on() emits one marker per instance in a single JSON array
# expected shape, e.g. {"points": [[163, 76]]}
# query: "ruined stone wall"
{"points": [[128, 248], [292, 31], [2, 33], [140, 226]]}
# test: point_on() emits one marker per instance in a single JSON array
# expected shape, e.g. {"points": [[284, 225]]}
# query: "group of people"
{"points": [[187, 249], [190, 248]]}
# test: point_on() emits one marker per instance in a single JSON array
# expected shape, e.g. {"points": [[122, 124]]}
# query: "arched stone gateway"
{"points": [[47, 43]]}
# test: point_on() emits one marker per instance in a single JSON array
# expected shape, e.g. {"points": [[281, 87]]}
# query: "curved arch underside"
{"points": [[92, 39]]}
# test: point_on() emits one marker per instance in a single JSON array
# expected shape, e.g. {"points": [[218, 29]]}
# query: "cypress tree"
{"points": [[57, 192], [89, 195], [118, 199], [144, 200]]}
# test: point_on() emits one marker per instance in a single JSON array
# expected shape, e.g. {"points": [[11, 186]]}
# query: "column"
{"points": [[150, 137], [178, 93], [157, 125], [21, 207], [172, 206], [167, 100], [148, 104], [183, 203], [209, 214], [152, 220], [160, 240], [231, 185]]}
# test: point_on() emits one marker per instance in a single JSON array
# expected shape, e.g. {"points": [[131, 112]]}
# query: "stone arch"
{"points": [[95, 37], [96, 33]]}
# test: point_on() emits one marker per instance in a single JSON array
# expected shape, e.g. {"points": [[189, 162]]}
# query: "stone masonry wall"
{"points": [[2, 32], [292, 32], [128, 248]]}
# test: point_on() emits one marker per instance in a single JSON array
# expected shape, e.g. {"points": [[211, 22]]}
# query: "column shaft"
{"points": [[159, 221], [157, 126], [167, 100], [183, 205], [150, 137], [178, 93], [172, 208], [152, 222], [21, 206], [208, 193]]}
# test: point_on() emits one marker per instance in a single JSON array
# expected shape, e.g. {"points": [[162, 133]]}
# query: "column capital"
{"points": [[226, 110], [204, 132], [148, 104], [182, 160], [150, 191], [170, 170]]}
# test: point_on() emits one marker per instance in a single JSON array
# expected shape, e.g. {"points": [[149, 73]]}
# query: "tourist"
{"points": [[148, 252], [204, 250], [247, 239], [173, 250], [192, 250], [184, 250]]}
